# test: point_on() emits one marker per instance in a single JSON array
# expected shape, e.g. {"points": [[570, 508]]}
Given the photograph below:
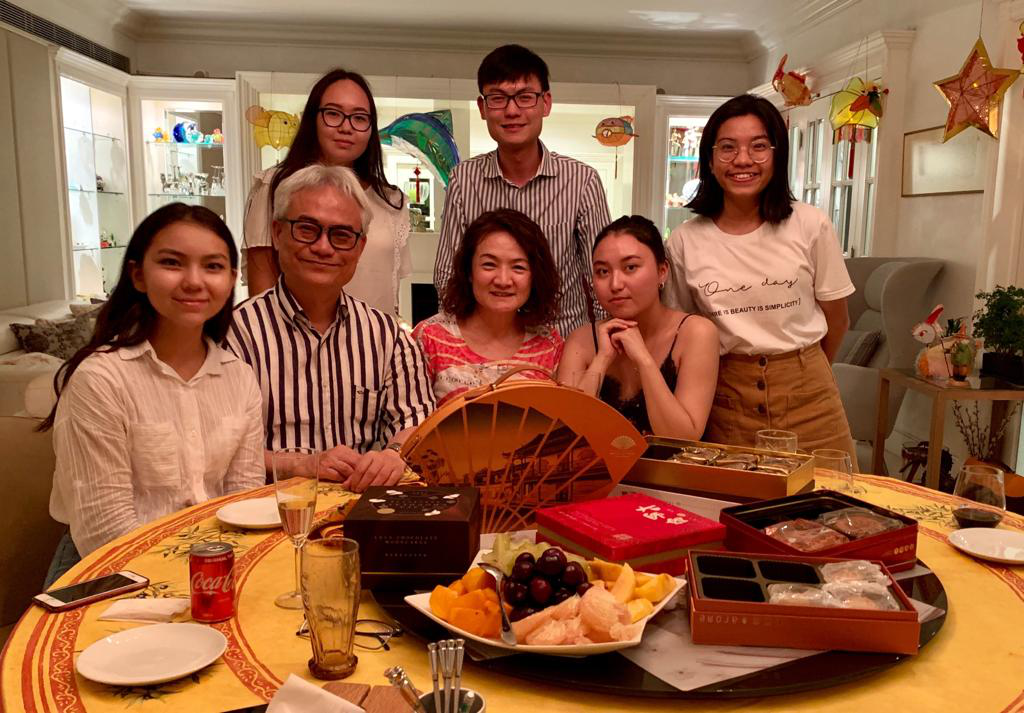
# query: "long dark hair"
{"points": [[776, 199], [128, 317], [305, 148], [542, 305]]}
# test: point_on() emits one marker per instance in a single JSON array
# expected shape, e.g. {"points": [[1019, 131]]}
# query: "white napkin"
{"points": [[299, 696], [155, 610]]}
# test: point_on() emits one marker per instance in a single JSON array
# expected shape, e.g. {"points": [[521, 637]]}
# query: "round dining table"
{"points": [[975, 662]]}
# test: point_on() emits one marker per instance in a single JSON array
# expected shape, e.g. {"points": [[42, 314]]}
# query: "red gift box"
{"points": [[650, 534], [739, 619], [745, 524]]}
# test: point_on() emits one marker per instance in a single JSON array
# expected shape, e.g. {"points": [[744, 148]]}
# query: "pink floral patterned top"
{"points": [[454, 367]]}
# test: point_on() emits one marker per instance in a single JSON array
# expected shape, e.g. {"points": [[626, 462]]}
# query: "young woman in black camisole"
{"points": [[658, 366]]}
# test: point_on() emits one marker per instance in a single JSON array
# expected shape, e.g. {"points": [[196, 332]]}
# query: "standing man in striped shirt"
{"points": [[335, 374], [561, 194]]}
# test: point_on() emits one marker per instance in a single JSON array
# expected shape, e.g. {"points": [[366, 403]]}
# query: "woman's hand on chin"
{"points": [[607, 348], [630, 342]]}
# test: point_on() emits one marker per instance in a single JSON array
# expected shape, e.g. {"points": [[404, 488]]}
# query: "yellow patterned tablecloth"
{"points": [[976, 663]]}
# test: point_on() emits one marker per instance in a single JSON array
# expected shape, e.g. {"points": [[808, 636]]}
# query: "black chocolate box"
{"points": [[411, 536]]}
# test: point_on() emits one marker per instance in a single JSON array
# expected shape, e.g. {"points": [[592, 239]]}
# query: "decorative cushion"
{"points": [[77, 310], [59, 338], [858, 347]]}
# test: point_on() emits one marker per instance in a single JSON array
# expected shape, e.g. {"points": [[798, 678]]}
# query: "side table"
{"points": [[983, 388]]}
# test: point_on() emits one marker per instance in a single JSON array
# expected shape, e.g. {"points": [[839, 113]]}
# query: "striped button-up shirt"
{"points": [[357, 384], [565, 199]]}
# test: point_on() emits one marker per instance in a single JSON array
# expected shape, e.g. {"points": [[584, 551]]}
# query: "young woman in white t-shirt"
{"points": [[769, 271], [152, 414], [338, 128]]}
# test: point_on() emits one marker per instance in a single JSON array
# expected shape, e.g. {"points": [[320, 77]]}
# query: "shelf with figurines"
{"points": [[186, 134]]}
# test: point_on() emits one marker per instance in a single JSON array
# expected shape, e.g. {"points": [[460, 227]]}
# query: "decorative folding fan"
{"points": [[526, 445]]}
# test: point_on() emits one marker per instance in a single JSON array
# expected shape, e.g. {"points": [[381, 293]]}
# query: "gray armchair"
{"points": [[891, 297]]}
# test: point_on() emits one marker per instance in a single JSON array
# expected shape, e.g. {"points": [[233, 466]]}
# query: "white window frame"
{"points": [[815, 172]]}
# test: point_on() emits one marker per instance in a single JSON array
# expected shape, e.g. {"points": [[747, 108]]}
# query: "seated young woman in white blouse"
{"points": [[152, 415]]}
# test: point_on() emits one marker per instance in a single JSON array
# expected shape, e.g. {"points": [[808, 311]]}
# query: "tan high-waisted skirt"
{"points": [[794, 391]]}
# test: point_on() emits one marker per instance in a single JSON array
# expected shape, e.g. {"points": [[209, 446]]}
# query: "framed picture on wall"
{"points": [[932, 168]]}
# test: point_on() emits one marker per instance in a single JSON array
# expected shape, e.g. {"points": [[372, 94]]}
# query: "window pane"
{"points": [[873, 155], [869, 216], [794, 155], [841, 161]]}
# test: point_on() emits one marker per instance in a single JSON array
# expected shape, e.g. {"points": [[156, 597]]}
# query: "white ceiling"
{"points": [[559, 16]]}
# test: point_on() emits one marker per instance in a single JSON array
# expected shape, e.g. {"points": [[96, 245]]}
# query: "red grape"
{"points": [[552, 562], [574, 575], [540, 590]]}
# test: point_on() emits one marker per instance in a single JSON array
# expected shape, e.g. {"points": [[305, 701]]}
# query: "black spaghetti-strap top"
{"points": [[635, 408]]}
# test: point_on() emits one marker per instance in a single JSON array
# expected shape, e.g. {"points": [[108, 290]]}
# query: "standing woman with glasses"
{"points": [[338, 128], [769, 271]]}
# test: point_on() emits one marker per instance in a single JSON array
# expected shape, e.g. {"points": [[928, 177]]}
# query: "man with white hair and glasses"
{"points": [[335, 374]]}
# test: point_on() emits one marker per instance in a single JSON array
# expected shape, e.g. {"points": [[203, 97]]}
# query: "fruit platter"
{"points": [[558, 602]]}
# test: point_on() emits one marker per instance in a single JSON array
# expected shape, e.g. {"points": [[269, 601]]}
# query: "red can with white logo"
{"points": [[211, 568]]}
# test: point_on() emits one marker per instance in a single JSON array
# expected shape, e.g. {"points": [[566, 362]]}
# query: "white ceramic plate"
{"points": [[254, 514], [1005, 546], [151, 654], [421, 602]]}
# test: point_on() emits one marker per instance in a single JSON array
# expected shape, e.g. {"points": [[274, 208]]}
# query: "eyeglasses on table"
{"points": [[379, 632]]}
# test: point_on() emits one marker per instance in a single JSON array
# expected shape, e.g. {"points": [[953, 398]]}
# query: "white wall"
{"points": [[223, 59], [32, 249]]}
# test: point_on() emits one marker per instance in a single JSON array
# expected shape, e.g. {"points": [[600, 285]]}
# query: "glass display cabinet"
{"points": [[679, 127], [96, 166], [187, 134]]}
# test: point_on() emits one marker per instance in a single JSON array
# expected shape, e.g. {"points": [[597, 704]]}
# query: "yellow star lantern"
{"points": [[975, 94]]}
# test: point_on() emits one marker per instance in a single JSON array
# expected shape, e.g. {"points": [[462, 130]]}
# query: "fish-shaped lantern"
{"points": [[791, 85], [427, 137], [276, 129], [615, 131], [856, 110]]}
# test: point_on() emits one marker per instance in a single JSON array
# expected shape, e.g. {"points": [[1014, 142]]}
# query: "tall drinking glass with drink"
{"points": [[330, 593], [295, 484]]}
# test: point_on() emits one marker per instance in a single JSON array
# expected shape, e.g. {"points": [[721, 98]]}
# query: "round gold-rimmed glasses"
{"points": [[759, 151], [376, 635]]}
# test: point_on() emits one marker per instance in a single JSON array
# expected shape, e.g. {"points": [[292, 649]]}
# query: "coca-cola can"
{"points": [[211, 568]]}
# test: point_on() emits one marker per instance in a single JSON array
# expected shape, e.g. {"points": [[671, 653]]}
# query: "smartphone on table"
{"points": [[89, 591]]}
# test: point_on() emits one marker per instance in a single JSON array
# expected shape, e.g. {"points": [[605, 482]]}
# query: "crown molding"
{"points": [[813, 13], [698, 46]]}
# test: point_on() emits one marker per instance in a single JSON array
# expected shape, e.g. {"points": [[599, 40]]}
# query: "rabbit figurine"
{"points": [[927, 332]]}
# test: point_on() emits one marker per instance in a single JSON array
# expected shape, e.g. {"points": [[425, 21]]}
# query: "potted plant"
{"points": [[961, 356], [1000, 321]]}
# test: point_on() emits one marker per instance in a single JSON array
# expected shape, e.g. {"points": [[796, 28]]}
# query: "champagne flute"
{"points": [[295, 485], [983, 485]]}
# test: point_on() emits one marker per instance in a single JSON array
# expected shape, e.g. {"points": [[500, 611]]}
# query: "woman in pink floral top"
{"points": [[497, 309]]}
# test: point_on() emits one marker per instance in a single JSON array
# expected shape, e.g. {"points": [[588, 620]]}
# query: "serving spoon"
{"points": [[507, 635]]}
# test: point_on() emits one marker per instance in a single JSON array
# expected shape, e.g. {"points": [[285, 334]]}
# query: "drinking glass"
{"points": [[773, 439], [295, 484], [330, 596], [983, 485], [838, 463]]}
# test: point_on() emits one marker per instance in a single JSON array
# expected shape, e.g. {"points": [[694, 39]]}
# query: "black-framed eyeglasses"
{"points": [[759, 151], [341, 237], [375, 634], [523, 100], [360, 121]]}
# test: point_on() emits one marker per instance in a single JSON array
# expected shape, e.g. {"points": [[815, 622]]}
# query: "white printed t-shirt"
{"points": [[760, 289]]}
